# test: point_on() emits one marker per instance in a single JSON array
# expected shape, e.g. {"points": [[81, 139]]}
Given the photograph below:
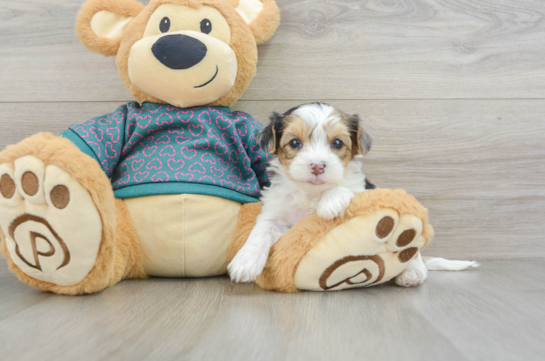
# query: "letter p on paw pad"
{"points": [[52, 228]]}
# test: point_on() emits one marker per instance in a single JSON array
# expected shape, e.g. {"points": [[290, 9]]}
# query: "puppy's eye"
{"points": [[206, 26], [337, 144], [164, 26], [296, 144]]}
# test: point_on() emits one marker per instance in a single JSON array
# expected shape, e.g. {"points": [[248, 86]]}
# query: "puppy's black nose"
{"points": [[179, 51]]}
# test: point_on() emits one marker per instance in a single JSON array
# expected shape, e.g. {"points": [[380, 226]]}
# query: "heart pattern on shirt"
{"points": [[156, 143]]}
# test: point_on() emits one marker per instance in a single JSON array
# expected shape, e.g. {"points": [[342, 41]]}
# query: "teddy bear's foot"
{"points": [[58, 218], [362, 252], [53, 230], [373, 242]]}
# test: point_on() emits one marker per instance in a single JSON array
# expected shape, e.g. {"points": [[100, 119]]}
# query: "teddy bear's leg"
{"points": [[128, 254], [58, 219], [372, 243]]}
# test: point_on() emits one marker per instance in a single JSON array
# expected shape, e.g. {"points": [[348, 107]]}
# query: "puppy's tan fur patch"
{"points": [[294, 128], [340, 130]]}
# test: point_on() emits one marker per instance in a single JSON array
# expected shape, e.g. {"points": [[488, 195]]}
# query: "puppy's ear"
{"points": [[100, 23], [268, 138], [263, 17], [361, 140]]}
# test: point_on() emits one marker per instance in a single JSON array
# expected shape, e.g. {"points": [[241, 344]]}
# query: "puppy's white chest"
{"points": [[299, 205]]}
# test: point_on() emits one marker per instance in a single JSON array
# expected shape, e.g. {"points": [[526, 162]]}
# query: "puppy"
{"points": [[315, 169]]}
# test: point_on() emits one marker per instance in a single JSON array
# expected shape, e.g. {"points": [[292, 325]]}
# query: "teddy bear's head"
{"points": [[180, 52]]}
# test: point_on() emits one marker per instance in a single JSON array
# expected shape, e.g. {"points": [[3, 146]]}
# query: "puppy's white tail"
{"points": [[441, 264]]}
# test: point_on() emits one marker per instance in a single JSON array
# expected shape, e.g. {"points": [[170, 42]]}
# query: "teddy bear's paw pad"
{"points": [[361, 271], [364, 251], [52, 227]]}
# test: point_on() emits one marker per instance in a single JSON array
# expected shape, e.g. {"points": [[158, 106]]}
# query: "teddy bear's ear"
{"points": [[263, 17], [100, 23]]}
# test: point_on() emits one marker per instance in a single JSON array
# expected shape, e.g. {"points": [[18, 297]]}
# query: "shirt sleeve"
{"points": [[259, 158], [102, 138]]}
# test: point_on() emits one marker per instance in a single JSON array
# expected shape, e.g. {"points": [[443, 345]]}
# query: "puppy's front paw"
{"points": [[410, 278], [247, 265], [334, 205]]}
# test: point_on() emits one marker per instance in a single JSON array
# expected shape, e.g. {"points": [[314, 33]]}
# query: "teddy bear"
{"points": [[168, 185]]}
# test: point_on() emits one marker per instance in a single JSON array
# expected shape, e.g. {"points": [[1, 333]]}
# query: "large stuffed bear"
{"points": [[168, 185]]}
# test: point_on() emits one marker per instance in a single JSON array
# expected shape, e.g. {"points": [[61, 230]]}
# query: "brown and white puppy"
{"points": [[315, 169]]}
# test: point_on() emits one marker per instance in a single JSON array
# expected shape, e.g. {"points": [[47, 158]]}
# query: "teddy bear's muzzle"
{"points": [[178, 51], [185, 68]]}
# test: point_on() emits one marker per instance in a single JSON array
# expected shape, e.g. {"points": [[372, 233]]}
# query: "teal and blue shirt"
{"points": [[153, 149]]}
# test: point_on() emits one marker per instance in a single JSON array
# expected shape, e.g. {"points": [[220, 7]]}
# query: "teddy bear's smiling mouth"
{"points": [[208, 82]]}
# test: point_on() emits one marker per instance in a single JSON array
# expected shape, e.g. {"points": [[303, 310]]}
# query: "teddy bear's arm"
{"points": [[103, 138], [258, 157]]}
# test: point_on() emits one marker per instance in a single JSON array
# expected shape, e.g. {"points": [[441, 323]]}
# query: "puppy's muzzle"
{"points": [[179, 51]]}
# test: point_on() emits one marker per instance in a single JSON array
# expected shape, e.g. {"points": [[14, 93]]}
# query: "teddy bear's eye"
{"points": [[206, 26], [165, 25]]}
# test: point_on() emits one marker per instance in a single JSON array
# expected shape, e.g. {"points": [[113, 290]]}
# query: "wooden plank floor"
{"points": [[492, 313], [453, 93]]}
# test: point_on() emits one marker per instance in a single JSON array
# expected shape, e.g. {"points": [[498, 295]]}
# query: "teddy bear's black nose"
{"points": [[179, 51]]}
